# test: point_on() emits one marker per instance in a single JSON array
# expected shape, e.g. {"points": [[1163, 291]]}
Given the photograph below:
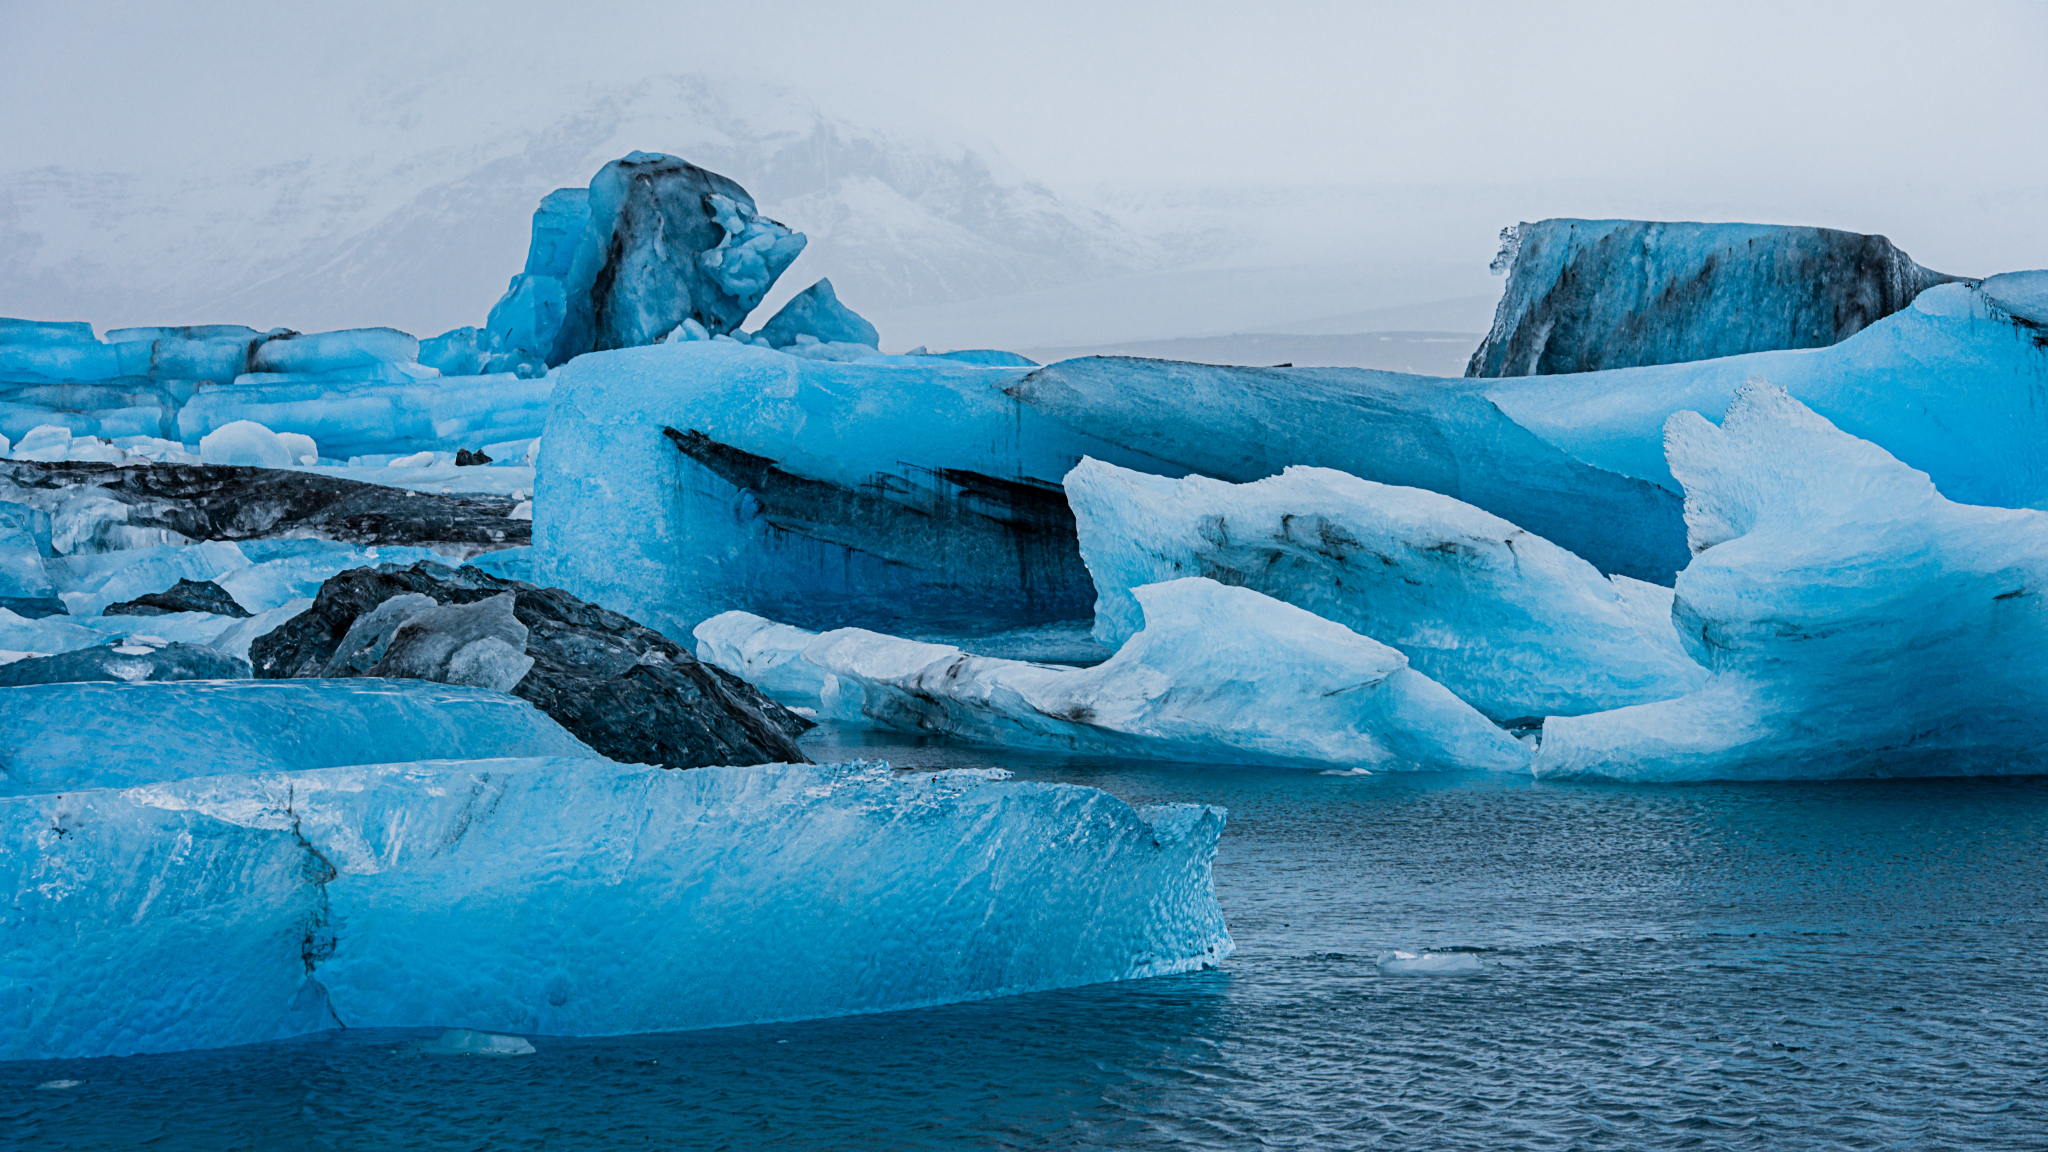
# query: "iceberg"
{"points": [[119, 735], [816, 312], [1444, 435], [1856, 621], [1951, 385], [573, 897], [813, 492], [1216, 674], [1511, 623], [665, 241], [1583, 295]]}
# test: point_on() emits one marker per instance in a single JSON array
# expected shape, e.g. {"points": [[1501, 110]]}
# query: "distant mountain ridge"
{"points": [[424, 235]]}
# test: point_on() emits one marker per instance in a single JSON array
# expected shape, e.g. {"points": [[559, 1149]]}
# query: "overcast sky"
{"points": [[1923, 121], [1089, 91]]}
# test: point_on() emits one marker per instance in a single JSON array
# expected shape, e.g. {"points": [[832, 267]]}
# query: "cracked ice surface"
{"points": [[574, 897], [1856, 621], [1216, 674], [1512, 623]]}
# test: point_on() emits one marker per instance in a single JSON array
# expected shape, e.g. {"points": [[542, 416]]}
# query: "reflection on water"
{"points": [[1722, 966]]}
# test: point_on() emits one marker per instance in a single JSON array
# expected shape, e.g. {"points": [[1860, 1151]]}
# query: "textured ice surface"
{"points": [[666, 241], [817, 493], [1398, 963], [1857, 622], [120, 735], [1583, 295], [1217, 674], [574, 897], [1513, 624], [258, 574], [816, 312], [1446, 436], [335, 351], [360, 418], [1953, 386]]}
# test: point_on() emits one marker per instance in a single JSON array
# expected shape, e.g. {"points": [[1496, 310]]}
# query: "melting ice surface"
{"points": [[1510, 622], [1215, 674], [1856, 621], [574, 896]]}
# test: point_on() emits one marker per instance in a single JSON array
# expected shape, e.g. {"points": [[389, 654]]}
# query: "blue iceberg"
{"points": [[72, 737], [1216, 674], [1856, 621], [1513, 624], [574, 896]]}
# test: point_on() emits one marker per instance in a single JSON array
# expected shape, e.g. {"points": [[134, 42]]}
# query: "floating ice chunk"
{"points": [[331, 351], [1974, 421], [468, 1042], [1508, 621], [245, 442], [1857, 622], [1217, 674], [768, 655], [1398, 963], [816, 312], [117, 735], [574, 897], [22, 332], [416, 460]]}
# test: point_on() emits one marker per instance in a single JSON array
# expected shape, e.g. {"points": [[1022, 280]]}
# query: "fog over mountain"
{"points": [[1058, 178]]}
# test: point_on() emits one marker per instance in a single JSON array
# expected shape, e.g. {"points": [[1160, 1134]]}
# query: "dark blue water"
{"points": [[1775, 966]]}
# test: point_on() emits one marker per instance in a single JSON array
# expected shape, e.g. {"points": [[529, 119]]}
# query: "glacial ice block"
{"points": [[665, 241], [1951, 386], [1216, 674], [369, 417], [1583, 295], [1444, 435], [68, 737], [683, 480], [1508, 621], [1857, 622], [816, 312], [574, 898]]}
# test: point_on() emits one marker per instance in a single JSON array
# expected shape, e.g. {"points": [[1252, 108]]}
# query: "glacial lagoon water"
{"points": [[1769, 966]]}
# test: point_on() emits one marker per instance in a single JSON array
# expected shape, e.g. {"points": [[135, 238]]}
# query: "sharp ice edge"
{"points": [[1510, 622], [1856, 621], [1215, 674], [575, 897]]}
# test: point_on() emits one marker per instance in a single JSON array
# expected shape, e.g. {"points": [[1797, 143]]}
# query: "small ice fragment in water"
{"points": [[466, 1042], [1346, 772], [1428, 963], [58, 1085]]}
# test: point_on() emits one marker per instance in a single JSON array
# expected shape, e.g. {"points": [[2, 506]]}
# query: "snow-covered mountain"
{"points": [[419, 226]]}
